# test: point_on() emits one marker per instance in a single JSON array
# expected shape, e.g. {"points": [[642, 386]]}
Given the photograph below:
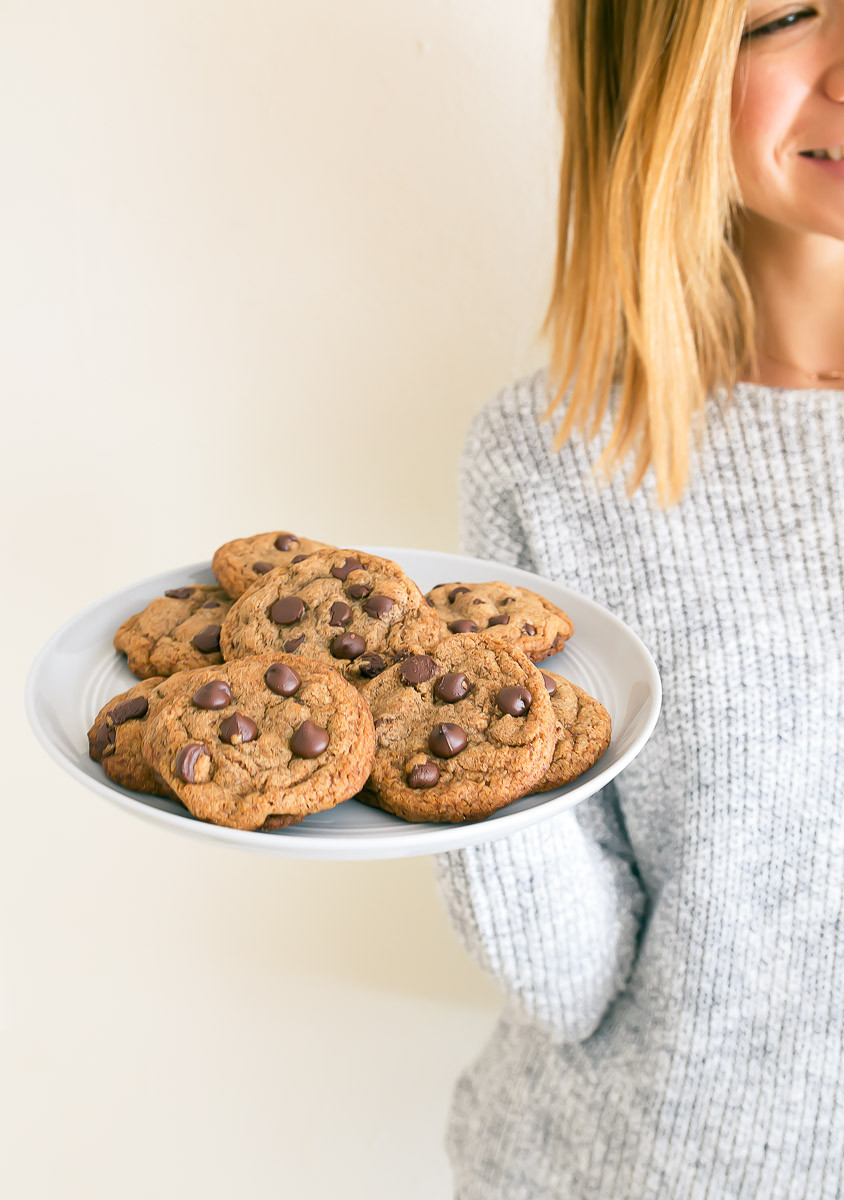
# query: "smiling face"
{"points": [[788, 98]]}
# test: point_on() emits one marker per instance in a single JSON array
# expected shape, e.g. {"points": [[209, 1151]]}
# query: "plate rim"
{"points": [[364, 847]]}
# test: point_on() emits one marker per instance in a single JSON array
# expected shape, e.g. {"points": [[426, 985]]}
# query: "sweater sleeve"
{"points": [[552, 912]]}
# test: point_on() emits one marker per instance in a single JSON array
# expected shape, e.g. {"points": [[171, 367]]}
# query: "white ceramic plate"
{"points": [[78, 671]]}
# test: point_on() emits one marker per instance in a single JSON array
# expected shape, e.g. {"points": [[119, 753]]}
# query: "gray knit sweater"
{"points": [[672, 950]]}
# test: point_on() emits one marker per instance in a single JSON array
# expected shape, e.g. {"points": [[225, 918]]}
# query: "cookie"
{"points": [[238, 564], [353, 611], [583, 731], [460, 732], [515, 615], [114, 739], [252, 742], [179, 631]]}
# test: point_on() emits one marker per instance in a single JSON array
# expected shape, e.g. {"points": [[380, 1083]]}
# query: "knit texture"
{"points": [[672, 950]]}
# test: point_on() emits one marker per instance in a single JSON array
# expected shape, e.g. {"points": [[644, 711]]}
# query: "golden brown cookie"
{"points": [[179, 631], [238, 564], [583, 731], [353, 611], [515, 615], [249, 743], [460, 732], [114, 740]]}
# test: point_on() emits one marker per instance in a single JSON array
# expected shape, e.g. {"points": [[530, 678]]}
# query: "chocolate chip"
{"points": [[514, 701], [299, 557], [208, 639], [281, 679], [479, 601], [344, 569], [550, 685], [286, 611], [216, 694], [463, 626], [357, 591], [341, 614], [105, 738], [347, 645], [237, 729], [559, 642], [419, 668], [261, 568], [187, 760], [309, 740], [179, 593], [529, 629], [137, 706], [285, 541], [211, 604], [509, 600], [429, 602], [371, 665], [423, 775], [455, 592], [294, 643], [378, 606], [382, 721], [445, 740], [452, 687], [500, 620]]}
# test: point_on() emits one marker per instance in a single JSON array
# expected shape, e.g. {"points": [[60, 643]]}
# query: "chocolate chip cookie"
{"points": [[249, 743], [515, 615], [178, 631], [239, 563], [353, 611], [460, 732], [114, 740], [583, 731]]}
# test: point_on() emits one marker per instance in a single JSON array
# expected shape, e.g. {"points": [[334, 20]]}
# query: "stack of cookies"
{"points": [[312, 674]]}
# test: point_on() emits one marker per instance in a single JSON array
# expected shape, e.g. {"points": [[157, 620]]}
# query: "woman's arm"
{"points": [[552, 912]]}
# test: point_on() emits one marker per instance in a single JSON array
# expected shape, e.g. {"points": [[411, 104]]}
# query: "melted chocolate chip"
{"points": [[418, 668], [344, 569], [341, 614], [208, 639], [261, 568], [299, 558], [378, 606], [529, 629], [423, 775], [286, 611], [452, 687], [357, 591], [500, 620], [104, 739], [463, 626], [281, 679], [509, 600], [550, 685], [216, 694], [137, 706], [479, 601], [347, 645], [286, 541], [211, 604], [514, 701], [187, 760], [445, 740], [455, 592], [179, 593], [309, 740], [294, 643], [237, 729], [371, 665]]}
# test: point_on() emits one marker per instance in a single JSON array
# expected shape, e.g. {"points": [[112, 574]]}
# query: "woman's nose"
{"points": [[834, 81]]}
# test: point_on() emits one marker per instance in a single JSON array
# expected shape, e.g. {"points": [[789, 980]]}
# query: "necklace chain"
{"points": [[816, 376]]}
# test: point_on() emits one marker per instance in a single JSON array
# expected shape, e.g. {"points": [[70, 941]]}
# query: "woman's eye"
{"points": [[785, 22]]}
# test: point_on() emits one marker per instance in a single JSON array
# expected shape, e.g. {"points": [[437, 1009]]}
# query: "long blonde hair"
{"points": [[649, 291]]}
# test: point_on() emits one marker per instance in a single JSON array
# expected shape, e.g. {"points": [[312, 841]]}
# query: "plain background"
{"points": [[261, 262]]}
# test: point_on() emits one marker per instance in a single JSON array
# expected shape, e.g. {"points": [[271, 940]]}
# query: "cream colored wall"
{"points": [[261, 261]]}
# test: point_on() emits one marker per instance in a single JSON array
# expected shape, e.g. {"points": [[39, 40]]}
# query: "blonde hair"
{"points": [[649, 291]]}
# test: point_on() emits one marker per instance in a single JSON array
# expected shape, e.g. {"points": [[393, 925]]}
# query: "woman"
{"points": [[672, 950]]}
